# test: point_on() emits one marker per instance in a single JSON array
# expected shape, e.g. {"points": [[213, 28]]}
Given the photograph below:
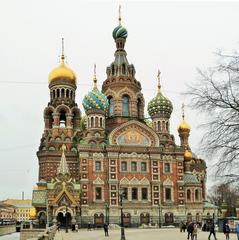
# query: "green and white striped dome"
{"points": [[120, 32]]}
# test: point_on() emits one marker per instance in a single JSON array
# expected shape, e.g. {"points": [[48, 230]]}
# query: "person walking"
{"points": [[195, 232], [237, 231], [212, 231], [89, 226], [106, 230], [190, 230], [226, 230]]}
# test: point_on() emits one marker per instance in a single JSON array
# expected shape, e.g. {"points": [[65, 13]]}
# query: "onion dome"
{"points": [[119, 31], [95, 99], [183, 126], [62, 73], [160, 105], [188, 155]]}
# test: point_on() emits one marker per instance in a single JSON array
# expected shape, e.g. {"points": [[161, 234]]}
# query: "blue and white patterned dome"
{"points": [[95, 100], [120, 32]]}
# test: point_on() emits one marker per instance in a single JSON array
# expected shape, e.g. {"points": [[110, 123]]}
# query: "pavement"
{"points": [[135, 234]]}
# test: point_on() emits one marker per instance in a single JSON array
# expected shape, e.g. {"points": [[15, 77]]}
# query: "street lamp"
{"points": [[160, 214], [121, 195], [106, 213]]}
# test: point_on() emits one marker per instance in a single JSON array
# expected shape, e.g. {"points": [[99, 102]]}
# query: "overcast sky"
{"points": [[175, 37]]}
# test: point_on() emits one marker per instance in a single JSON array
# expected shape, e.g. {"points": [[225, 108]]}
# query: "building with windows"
{"points": [[85, 162], [7, 213], [22, 208]]}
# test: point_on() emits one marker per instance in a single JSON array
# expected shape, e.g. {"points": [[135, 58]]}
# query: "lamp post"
{"points": [[160, 215], [106, 213], [121, 195]]}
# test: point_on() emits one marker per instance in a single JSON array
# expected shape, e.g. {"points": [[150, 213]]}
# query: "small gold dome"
{"points": [[188, 155], [184, 127], [62, 72], [32, 213]]}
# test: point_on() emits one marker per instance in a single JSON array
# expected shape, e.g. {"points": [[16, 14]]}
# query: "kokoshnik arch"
{"points": [[85, 161]]}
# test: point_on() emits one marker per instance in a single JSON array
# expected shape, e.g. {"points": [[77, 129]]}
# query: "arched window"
{"points": [[67, 93], [92, 122], [159, 126], [163, 126], [62, 119], [188, 195], [196, 195], [123, 69], [71, 94], [139, 107], [62, 92], [167, 126], [113, 70], [58, 93], [111, 106], [101, 122], [96, 122], [125, 101], [51, 120], [54, 94]]}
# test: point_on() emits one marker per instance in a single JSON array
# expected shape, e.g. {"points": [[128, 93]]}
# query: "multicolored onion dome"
{"points": [[95, 100], [120, 32], [160, 106]]}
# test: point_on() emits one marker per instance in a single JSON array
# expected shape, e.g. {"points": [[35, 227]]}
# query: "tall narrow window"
{"points": [[67, 93], [111, 107], [96, 122], [167, 168], [125, 101], [196, 195], [143, 167], [188, 195], [62, 119], [101, 122], [123, 69], [58, 92], [168, 194], [97, 166], [98, 193], [113, 70], [92, 122], [51, 120], [125, 193], [124, 166], [159, 126], [139, 108], [62, 92], [144, 194], [134, 194], [133, 166]]}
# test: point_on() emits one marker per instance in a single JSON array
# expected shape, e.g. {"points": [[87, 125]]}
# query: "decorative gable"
{"points": [[134, 133]]}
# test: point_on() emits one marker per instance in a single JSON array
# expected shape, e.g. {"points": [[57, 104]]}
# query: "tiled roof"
{"points": [[190, 178]]}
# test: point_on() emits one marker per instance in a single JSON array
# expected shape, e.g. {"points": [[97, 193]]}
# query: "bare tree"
{"points": [[216, 95]]}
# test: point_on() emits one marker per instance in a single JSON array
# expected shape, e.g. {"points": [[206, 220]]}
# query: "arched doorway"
{"points": [[99, 219], [168, 218], [144, 218], [64, 219], [42, 219]]}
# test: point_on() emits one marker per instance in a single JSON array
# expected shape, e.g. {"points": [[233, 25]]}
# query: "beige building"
{"points": [[23, 208], [7, 212]]}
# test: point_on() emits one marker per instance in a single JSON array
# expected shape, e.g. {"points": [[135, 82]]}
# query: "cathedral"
{"points": [[92, 165]]}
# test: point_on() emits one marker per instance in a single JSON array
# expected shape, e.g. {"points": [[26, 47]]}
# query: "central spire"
{"points": [[94, 78], [159, 85], [62, 51], [119, 14]]}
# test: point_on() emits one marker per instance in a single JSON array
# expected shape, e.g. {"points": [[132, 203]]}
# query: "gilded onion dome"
{"points": [[183, 126], [62, 73], [160, 105], [188, 155], [95, 99]]}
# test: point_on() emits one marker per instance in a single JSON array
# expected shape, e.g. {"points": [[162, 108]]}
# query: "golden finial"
{"points": [[94, 78], [62, 50], [183, 106], [119, 14], [63, 148], [159, 85]]}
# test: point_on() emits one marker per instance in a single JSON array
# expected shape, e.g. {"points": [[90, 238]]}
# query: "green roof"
{"points": [[190, 178], [209, 205]]}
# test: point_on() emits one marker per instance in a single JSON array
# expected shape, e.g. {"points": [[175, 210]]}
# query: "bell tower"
{"points": [[121, 88], [62, 122]]}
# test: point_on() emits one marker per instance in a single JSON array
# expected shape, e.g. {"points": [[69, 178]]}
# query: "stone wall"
{"points": [[38, 234], [7, 229]]}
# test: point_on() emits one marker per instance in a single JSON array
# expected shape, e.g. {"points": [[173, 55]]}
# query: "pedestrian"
{"points": [[76, 227], [190, 230], [212, 231], [184, 227], [106, 230], [226, 230], [181, 226], [195, 232], [89, 226], [237, 231]]}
